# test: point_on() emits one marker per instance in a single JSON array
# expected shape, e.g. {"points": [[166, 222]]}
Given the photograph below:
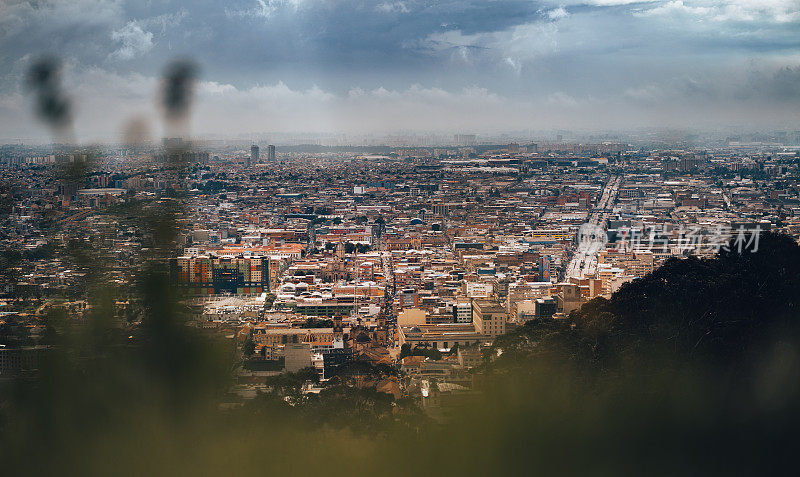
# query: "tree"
{"points": [[249, 346], [428, 352], [313, 322]]}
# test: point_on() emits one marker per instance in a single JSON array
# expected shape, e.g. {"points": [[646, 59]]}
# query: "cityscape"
{"points": [[398, 280]]}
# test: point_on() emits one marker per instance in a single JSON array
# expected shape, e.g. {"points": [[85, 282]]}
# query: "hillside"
{"points": [[724, 313]]}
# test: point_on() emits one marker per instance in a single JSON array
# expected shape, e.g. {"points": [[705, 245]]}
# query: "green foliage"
{"points": [[214, 187], [314, 322], [285, 384], [13, 334], [248, 347], [429, 352], [337, 407], [364, 369], [344, 407], [350, 247]]}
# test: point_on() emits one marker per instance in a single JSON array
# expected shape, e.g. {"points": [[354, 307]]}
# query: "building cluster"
{"points": [[412, 257]]}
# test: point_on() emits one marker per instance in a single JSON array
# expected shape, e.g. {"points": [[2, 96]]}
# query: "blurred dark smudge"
{"points": [[179, 82], [136, 131], [52, 105]]}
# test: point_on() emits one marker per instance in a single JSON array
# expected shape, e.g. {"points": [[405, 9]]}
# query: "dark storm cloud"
{"points": [[247, 41], [343, 37], [248, 36]]}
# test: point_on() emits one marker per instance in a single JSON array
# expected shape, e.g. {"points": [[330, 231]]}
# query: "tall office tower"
{"points": [[253, 154], [270, 153]]}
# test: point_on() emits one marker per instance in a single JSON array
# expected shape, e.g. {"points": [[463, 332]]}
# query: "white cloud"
{"points": [[778, 11], [515, 46], [212, 87], [265, 8], [166, 20], [613, 3], [677, 7], [557, 13], [135, 41], [392, 7]]}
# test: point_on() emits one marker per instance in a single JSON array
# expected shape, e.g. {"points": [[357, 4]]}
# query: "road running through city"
{"points": [[584, 261]]}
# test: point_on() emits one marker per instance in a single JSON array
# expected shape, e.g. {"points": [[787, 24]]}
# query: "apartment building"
{"points": [[489, 317]]}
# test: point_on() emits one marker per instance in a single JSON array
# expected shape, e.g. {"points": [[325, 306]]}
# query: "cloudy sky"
{"points": [[375, 66]]}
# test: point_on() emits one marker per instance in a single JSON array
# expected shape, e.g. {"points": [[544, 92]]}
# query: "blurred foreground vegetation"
{"points": [[693, 369]]}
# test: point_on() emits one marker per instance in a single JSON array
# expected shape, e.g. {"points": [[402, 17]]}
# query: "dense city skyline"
{"points": [[361, 67]]}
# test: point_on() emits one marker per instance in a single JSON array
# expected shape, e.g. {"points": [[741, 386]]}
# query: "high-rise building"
{"points": [[213, 274], [253, 154], [544, 268], [270, 153]]}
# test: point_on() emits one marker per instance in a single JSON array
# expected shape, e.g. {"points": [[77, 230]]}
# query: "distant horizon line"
{"points": [[402, 138]]}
